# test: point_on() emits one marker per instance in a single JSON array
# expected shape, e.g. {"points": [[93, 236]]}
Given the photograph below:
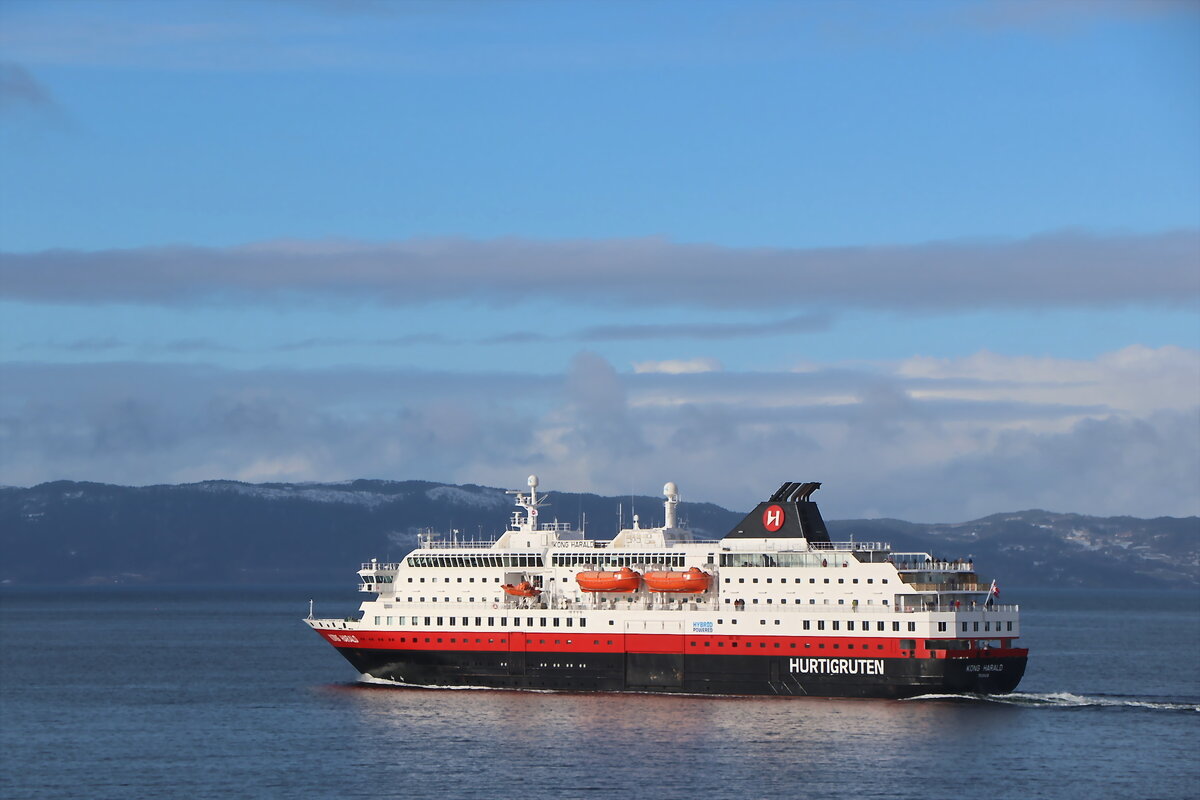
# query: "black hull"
{"points": [[693, 674]]}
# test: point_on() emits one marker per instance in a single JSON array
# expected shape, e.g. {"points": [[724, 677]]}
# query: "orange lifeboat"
{"points": [[623, 580], [522, 589], [693, 581]]}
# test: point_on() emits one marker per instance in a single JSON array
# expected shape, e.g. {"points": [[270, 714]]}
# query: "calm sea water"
{"points": [[147, 693]]}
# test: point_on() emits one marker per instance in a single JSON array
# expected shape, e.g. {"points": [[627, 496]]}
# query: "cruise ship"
{"points": [[772, 608]]}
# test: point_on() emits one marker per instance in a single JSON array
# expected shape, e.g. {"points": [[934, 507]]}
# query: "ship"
{"points": [[774, 607]]}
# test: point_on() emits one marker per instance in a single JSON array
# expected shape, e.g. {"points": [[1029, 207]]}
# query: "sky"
{"points": [[942, 256]]}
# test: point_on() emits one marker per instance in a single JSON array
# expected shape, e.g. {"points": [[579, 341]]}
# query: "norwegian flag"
{"points": [[995, 590]]}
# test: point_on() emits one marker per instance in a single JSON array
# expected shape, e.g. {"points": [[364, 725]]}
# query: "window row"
{"points": [[477, 561], [503, 622], [987, 626], [617, 560], [810, 580]]}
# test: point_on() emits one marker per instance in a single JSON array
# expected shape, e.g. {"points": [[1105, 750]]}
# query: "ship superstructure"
{"points": [[774, 607]]}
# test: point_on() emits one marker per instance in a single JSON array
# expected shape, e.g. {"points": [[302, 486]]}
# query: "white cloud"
{"points": [[678, 366], [921, 439]]}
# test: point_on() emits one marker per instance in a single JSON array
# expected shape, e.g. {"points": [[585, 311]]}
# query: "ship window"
{"points": [[881, 625], [768, 601], [708, 644], [941, 627], [870, 580], [426, 639], [582, 621], [837, 625], [850, 625], [427, 620], [491, 621], [422, 580], [820, 624], [777, 622], [611, 622], [762, 622], [987, 626], [841, 580], [912, 626], [813, 580], [377, 620], [741, 580], [452, 621], [977, 626], [896, 626], [530, 625], [884, 580], [908, 644], [768, 580], [756, 601], [460, 580], [569, 621], [964, 626], [856, 580], [1010, 626], [410, 580], [827, 580], [727, 580], [555, 622], [807, 623]]}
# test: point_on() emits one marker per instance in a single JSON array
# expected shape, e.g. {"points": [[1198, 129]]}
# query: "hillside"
{"points": [[228, 532]]}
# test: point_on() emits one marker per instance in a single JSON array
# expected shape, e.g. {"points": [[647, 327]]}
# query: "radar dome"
{"points": [[671, 490], [533, 481]]}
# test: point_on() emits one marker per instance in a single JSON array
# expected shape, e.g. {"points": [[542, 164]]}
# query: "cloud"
{"points": [[919, 439], [802, 323], [1066, 269], [18, 88], [678, 366]]}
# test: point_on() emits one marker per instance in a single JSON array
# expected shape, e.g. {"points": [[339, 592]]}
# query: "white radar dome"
{"points": [[671, 490], [533, 481]]}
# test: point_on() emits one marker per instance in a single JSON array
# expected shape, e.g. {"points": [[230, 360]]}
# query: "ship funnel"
{"points": [[672, 494]]}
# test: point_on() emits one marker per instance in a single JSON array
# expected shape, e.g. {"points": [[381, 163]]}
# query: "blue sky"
{"points": [[726, 244]]}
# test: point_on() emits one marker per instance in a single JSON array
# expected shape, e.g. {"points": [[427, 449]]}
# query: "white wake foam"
{"points": [[1066, 700]]}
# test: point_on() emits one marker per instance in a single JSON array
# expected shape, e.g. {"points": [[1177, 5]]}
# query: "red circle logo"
{"points": [[773, 518]]}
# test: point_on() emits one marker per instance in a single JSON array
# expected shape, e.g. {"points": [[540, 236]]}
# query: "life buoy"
{"points": [[495, 605]]}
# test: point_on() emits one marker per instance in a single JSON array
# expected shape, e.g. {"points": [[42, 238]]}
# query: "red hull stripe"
{"points": [[586, 642]]}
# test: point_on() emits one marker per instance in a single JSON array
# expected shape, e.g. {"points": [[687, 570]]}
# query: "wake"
{"points": [[1068, 700]]}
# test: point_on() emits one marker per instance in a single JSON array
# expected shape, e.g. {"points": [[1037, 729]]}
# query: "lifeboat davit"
{"points": [[623, 580], [693, 581], [522, 589]]}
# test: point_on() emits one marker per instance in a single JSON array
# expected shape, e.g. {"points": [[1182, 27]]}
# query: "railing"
{"points": [[442, 544], [851, 546], [389, 566], [946, 587]]}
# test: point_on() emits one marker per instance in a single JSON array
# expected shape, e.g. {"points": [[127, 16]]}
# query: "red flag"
{"points": [[995, 589]]}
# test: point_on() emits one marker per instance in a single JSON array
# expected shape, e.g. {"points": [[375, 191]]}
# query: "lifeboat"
{"points": [[623, 580], [693, 581], [522, 589]]}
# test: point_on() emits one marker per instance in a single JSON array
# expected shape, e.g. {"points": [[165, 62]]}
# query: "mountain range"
{"points": [[229, 532]]}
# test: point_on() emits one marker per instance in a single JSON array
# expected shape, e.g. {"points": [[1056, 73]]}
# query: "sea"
{"points": [[224, 693]]}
